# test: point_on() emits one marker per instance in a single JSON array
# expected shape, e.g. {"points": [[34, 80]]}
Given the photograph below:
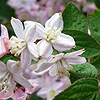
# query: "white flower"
{"points": [[62, 62], [50, 87], [51, 35], [23, 42], [10, 74]]}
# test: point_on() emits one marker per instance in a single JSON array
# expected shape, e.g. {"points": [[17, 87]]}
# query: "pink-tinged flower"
{"points": [[22, 4], [4, 41], [22, 93], [62, 62], [52, 36], [50, 87], [33, 9], [9, 75], [23, 42]]}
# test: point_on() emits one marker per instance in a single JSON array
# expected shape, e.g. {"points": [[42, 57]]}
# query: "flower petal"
{"points": [[14, 66], [39, 28], [25, 59], [22, 81], [3, 67], [30, 33], [56, 58], [73, 54], [4, 32], [64, 42], [53, 70], [76, 60], [45, 48], [55, 21], [41, 67], [32, 47], [18, 27], [42, 92], [3, 50]]}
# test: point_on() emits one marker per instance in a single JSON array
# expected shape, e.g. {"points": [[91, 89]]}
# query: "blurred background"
{"points": [[39, 10]]}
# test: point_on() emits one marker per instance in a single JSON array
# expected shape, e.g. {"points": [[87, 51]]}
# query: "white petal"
{"points": [[56, 58], [18, 27], [25, 59], [4, 32], [3, 67], [32, 47], [30, 33], [55, 21], [42, 68], [66, 64], [76, 60], [39, 28], [22, 81], [2, 47], [42, 92], [63, 42], [73, 54], [14, 66], [58, 85], [45, 48], [53, 70]]}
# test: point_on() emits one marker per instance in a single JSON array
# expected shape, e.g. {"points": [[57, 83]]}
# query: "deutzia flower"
{"points": [[9, 75], [50, 87], [51, 34], [4, 41], [62, 62], [22, 93], [23, 42]]}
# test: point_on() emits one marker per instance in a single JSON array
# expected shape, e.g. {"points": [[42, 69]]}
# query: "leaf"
{"points": [[34, 97], [97, 2], [96, 63], [74, 19], [97, 13], [83, 40], [94, 25], [83, 89], [7, 57], [83, 71]]}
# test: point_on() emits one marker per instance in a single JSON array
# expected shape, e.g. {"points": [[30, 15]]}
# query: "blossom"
{"points": [[23, 42], [51, 35], [50, 87], [4, 41], [22, 93], [9, 75], [62, 62]]}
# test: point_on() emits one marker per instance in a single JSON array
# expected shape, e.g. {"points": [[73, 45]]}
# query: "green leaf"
{"points": [[83, 40], [97, 2], [97, 13], [94, 25], [34, 97], [7, 57], [96, 63], [84, 71], [74, 19], [83, 89]]}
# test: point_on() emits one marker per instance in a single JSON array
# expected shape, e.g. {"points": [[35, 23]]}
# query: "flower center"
{"points": [[17, 45], [52, 93], [4, 81], [51, 33]]}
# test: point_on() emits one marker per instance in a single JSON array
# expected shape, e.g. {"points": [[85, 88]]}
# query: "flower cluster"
{"points": [[33, 46], [33, 9]]}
